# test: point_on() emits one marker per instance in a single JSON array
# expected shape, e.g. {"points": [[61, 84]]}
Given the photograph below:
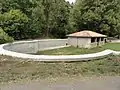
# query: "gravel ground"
{"points": [[107, 83]]}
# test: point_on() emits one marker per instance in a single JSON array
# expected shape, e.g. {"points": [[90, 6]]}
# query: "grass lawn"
{"points": [[13, 69], [76, 51]]}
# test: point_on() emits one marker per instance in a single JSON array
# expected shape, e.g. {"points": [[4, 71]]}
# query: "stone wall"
{"points": [[35, 45]]}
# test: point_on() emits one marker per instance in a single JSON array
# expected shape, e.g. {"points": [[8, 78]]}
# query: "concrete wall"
{"points": [[80, 42], [72, 41], [5, 50], [35, 45], [84, 42]]}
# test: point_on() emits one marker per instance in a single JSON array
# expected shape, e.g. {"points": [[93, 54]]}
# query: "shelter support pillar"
{"points": [[100, 42]]}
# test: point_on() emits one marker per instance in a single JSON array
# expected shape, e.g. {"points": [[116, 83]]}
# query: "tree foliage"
{"points": [[13, 23], [4, 37], [98, 15], [26, 19], [56, 14], [38, 18]]}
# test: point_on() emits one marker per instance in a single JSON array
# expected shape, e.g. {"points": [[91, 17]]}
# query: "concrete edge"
{"points": [[52, 58]]}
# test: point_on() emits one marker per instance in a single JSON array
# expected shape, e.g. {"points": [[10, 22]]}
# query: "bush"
{"points": [[13, 23], [4, 37]]}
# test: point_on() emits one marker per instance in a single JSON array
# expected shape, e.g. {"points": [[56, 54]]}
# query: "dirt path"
{"points": [[108, 83]]}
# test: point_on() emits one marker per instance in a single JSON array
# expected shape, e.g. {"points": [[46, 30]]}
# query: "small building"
{"points": [[86, 39]]}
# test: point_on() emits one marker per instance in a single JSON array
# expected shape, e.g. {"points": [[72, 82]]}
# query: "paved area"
{"points": [[108, 83]]}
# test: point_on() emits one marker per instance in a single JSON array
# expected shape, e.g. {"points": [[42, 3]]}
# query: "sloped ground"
{"points": [[14, 69]]}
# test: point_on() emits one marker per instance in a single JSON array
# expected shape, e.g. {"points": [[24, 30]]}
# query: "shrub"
{"points": [[4, 37], [13, 23]]}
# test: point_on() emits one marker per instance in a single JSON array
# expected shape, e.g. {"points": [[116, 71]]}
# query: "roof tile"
{"points": [[86, 33]]}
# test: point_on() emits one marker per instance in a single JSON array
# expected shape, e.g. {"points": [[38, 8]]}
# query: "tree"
{"points": [[98, 15], [56, 14], [4, 37], [13, 23], [24, 19], [37, 23], [26, 7]]}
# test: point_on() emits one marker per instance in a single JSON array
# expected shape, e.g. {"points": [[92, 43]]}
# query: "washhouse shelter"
{"points": [[86, 39]]}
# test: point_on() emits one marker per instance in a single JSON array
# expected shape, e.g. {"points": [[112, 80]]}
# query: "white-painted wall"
{"points": [[84, 42], [72, 41], [80, 42]]}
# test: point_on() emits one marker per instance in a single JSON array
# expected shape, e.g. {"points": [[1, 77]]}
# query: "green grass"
{"points": [[13, 69], [112, 46], [77, 51]]}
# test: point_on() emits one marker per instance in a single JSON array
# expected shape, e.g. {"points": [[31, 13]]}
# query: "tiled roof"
{"points": [[86, 33]]}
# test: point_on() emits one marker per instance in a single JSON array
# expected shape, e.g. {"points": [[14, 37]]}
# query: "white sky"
{"points": [[71, 1]]}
